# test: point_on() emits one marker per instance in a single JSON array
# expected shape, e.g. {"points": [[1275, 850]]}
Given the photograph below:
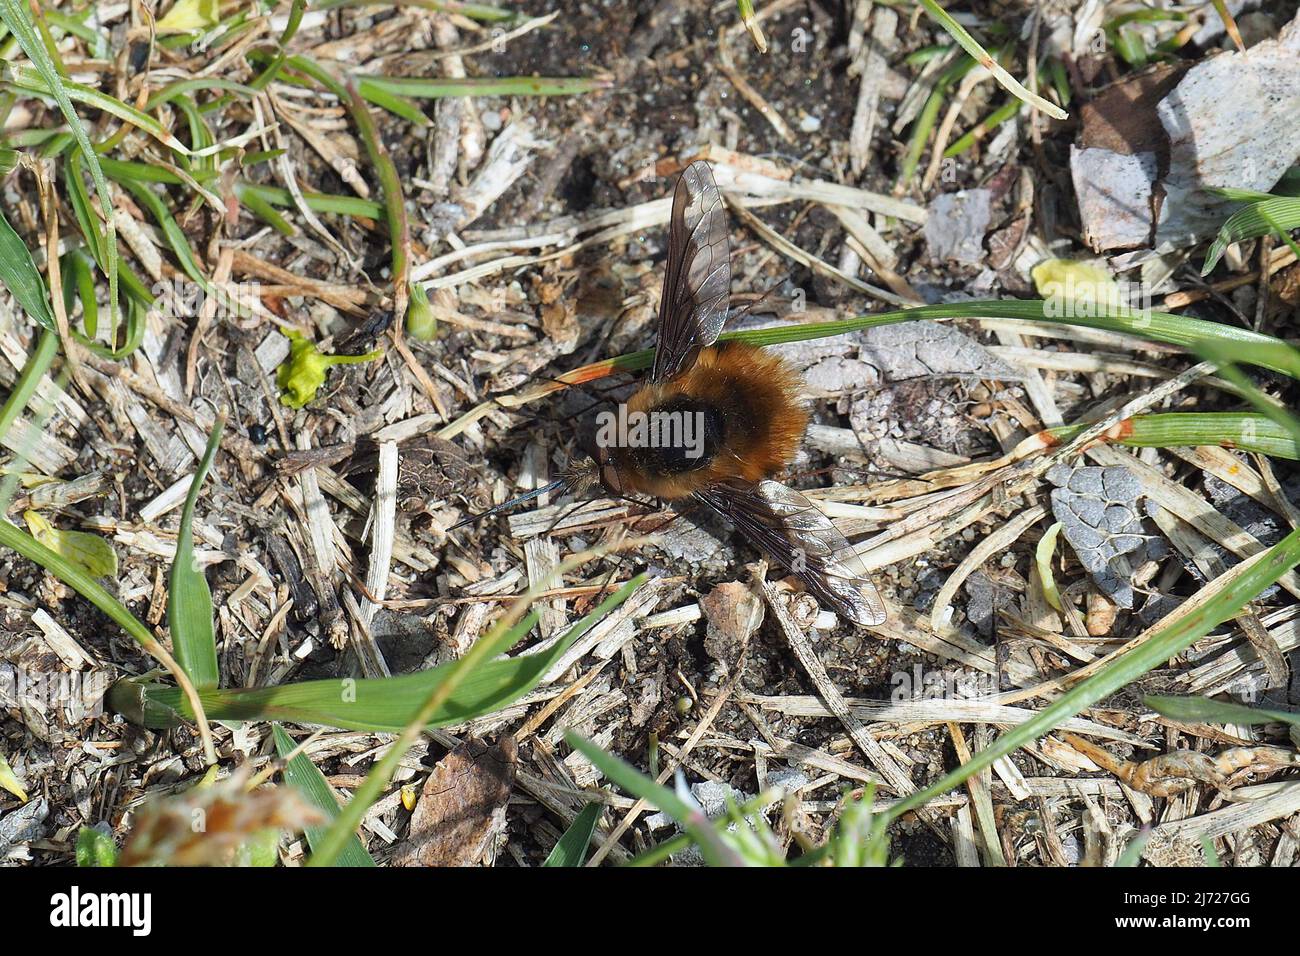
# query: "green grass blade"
{"points": [[77, 579], [264, 211], [20, 276], [317, 202], [79, 285], [1132, 852], [1245, 431], [1273, 213], [269, 73], [1158, 326], [399, 106], [572, 848], [175, 235], [97, 43], [200, 84], [95, 848], [120, 170], [1226, 353], [30, 81], [1163, 645], [433, 88], [749, 19], [399, 233], [971, 46], [34, 369], [919, 134], [189, 599], [496, 641], [1197, 710], [303, 775], [660, 852], [82, 207], [1267, 351], [381, 704], [47, 78], [985, 126], [628, 778]]}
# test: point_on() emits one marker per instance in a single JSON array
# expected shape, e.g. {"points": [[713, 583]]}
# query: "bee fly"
{"points": [[747, 420]]}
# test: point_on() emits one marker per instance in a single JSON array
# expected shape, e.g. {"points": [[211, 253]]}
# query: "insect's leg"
{"points": [[684, 513], [598, 396], [577, 506], [569, 512], [671, 520]]}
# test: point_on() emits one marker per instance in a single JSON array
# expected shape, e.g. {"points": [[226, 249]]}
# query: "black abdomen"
{"points": [[681, 435]]}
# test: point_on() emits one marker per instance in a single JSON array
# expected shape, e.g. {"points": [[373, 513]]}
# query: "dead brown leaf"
{"points": [[462, 806]]}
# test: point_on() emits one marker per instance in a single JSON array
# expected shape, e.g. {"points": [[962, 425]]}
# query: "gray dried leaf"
{"points": [[930, 350], [834, 375], [1230, 122], [23, 825], [985, 599], [1114, 192], [957, 222], [429, 468], [1101, 517], [432, 468]]}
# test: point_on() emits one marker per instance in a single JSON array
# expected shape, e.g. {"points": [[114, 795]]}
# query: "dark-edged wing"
{"points": [[697, 282], [797, 536]]}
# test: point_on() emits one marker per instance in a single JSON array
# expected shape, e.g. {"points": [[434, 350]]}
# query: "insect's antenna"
{"points": [[621, 557], [555, 485]]}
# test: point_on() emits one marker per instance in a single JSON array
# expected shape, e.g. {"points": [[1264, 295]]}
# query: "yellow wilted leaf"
{"points": [[90, 552], [9, 781], [189, 16], [28, 479], [1043, 556], [1085, 283]]}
